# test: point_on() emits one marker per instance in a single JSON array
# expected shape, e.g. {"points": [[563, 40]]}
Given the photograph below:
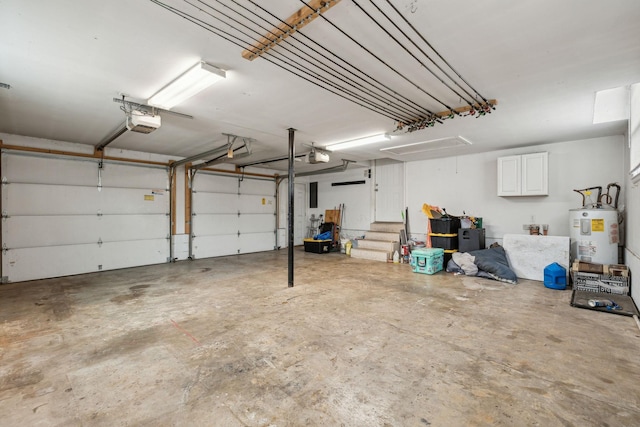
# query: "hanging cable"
{"points": [[301, 67], [337, 76], [360, 73], [377, 57], [317, 63], [421, 51], [408, 51], [436, 52], [230, 38]]}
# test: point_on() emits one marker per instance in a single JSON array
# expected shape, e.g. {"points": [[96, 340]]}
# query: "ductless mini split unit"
{"points": [[138, 121]]}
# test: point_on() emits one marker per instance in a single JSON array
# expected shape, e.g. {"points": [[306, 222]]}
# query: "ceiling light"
{"points": [[358, 142], [194, 80]]}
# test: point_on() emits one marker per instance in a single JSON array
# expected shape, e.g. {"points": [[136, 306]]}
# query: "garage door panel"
{"points": [[31, 231], [219, 203], [54, 261], [257, 242], [217, 224], [31, 169], [257, 204], [60, 223], [212, 246], [132, 201], [215, 184], [127, 176], [78, 229], [133, 253], [133, 227], [34, 199], [257, 223], [258, 187]]}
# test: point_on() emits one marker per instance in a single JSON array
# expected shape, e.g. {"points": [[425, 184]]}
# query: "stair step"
{"points": [[387, 226], [383, 235], [378, 245], [370, 254]]}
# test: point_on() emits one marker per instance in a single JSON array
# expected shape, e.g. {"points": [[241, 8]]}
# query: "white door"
{"points": [[64, 216], [389, 192], [232, 215]]}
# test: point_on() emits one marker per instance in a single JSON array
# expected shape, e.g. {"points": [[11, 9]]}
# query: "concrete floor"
{"points": [[224, 342]]}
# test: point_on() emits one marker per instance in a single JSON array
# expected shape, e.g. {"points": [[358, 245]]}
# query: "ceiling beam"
{"points": [[290, 25]]}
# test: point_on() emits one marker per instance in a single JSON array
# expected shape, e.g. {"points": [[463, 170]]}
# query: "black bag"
{"points": [[327, 226]]}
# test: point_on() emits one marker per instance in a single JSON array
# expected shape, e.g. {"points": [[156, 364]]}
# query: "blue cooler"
{"points": [[427, 260]]}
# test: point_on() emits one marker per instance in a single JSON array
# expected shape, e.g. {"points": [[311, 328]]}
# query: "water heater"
{"points": [[594, 235]]}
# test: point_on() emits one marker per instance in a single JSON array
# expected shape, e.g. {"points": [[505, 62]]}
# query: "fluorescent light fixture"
{"points": [[358, 142], [192, 81]]}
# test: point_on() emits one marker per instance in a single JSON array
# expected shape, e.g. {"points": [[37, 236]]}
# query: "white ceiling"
{"points": [[542, 60]]}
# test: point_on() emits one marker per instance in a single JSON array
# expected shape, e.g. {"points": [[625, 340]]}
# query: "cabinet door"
{"points": [[535, 174], [509, 176]]}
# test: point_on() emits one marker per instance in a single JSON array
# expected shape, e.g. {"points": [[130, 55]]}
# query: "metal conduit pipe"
{"points": [[200, 156], [340, 168], [292, 178], [115, 135], [223, 158]]}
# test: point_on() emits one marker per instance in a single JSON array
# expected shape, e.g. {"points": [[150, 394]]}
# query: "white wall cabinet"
{"points": [[524, 175]]}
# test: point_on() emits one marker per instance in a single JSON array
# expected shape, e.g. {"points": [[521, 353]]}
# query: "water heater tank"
{"points": [[594, 235]]}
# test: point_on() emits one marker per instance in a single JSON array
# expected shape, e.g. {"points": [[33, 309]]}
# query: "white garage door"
{"points": [[59, 221], [232, 215]]}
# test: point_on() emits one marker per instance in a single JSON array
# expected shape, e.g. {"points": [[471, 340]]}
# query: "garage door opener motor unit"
{"points": [[138, 121]]}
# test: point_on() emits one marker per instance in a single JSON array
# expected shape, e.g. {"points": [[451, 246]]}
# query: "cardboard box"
{"points": [[604, 278], [592, 267]]}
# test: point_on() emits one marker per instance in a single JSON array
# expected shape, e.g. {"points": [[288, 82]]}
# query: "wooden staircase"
{"points": [[380, 242]]}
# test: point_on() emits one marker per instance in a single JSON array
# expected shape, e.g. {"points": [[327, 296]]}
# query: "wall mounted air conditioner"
{"points": [[137, 121]]}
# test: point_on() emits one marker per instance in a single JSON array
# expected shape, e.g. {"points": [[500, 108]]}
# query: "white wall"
{"points": [[469, 184], [357, 199]]}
